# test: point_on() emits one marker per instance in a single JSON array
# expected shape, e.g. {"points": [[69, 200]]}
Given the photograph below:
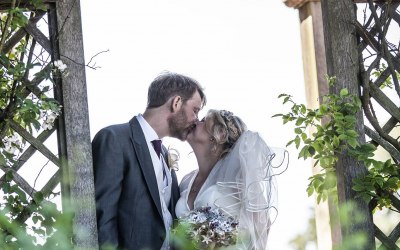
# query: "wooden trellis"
{"points": [[51, 34], [376, 49], [356, 46]]}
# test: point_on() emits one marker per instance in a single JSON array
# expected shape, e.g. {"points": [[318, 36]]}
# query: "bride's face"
{"points": [[200, 134]]}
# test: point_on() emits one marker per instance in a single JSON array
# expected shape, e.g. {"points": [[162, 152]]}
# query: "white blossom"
{"points": [[51, 118], [12, 143], [206, 239], [10, 149], [60, 65], [48, 124]]}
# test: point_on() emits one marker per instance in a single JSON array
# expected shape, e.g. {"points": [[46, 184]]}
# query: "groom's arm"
{"points": [[108, 176]]}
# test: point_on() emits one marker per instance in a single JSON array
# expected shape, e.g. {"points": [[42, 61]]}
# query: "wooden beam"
{"points": [[316, 86], [78, 166]]}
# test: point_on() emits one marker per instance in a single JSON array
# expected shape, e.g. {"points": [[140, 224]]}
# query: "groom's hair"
{"points": [[169, 84]]}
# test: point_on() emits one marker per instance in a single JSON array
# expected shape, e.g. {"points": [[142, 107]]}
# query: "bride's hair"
{"points": [[225, 129]]}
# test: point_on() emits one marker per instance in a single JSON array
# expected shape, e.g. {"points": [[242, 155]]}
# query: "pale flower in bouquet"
{"points": [[209, 228]]}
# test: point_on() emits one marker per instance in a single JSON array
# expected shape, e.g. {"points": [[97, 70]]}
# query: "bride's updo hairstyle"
{"points": [[225, 129]]}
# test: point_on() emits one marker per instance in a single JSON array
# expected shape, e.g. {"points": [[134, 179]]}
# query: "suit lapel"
{"points": [[145, 162]]}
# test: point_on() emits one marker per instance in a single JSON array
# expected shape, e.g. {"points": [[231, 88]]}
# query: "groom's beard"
{"points": [[179, 126]]}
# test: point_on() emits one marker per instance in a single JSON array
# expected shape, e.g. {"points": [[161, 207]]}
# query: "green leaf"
{"points": [[358, 188], [344, 92], [351, 133], [324, 162], [38, 197], [36, 124], [2, 160], [299, 121], [336, 141], [286, 99], [310, 191], [303, 109], [9, 176], [304, 136], [311, 150], [298, 131], [323, 108], [297, 141], [289, 143], [352, 142]]}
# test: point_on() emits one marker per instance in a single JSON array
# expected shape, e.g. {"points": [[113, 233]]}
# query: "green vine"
{"points": [[321, 134]]}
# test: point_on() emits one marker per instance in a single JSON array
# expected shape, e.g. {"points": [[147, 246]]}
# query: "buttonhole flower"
{"points": [[173, 158]]}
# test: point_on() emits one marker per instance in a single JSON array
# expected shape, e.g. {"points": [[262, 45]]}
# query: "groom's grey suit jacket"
{"points": [[128, 204]]}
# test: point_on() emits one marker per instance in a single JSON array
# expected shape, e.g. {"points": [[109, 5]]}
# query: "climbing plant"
{"points": [[28, 111]]}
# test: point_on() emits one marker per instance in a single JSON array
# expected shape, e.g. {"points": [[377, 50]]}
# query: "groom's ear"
{"points": [[176, 103]]}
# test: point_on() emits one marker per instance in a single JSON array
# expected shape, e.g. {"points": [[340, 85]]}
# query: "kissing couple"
{"points": [[138, 199]]}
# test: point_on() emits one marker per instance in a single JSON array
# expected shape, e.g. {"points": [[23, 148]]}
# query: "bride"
{"points": [[234, 174]]}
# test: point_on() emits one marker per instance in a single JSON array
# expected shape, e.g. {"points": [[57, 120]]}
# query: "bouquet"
{"points": [[208, 228]]}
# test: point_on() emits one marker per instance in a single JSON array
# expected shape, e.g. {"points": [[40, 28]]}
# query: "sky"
{"points": [[243, 52]]}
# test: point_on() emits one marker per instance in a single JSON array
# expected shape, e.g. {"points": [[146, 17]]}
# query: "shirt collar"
{"points": [[149, 133]]}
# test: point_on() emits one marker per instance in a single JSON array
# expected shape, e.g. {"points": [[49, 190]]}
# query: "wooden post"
{"points": [[316, 86], [78, 167], [342, 63]]}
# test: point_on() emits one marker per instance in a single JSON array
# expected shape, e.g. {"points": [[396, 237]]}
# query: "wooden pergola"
{"points": [[324, 38]]}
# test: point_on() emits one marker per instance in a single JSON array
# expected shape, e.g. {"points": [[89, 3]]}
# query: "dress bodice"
{"points": [[213, 195]]}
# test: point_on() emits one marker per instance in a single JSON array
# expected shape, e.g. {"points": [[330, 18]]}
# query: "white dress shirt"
{"points": [[164, 184]]}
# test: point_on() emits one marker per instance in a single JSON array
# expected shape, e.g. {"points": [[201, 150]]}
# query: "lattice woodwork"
{"points": [[379, 39], [57, 159], [38, 40]]}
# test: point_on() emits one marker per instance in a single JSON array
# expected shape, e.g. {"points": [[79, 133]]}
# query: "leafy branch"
{"points": [[332, 129]]}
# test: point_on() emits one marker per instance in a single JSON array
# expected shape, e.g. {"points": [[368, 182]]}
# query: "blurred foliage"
{"points": [[306, 238]]}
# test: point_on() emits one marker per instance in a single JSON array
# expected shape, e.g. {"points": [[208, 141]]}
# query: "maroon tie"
{"points": [[157, 146]]}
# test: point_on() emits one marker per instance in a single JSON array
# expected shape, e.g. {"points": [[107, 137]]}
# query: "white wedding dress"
{"points": [[242, 185]]}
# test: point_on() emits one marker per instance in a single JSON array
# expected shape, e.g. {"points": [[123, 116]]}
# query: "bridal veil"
{"points": [[245, 179]]}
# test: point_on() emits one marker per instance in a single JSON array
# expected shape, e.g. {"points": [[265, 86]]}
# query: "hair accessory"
{"points": [[231, 123]]}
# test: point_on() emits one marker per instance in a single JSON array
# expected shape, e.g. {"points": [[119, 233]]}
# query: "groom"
{"points": [[135, 191]]}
